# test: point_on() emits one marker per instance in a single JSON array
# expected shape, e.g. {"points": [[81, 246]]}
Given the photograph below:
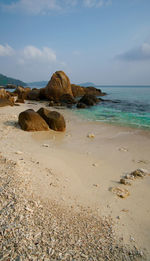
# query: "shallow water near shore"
{"points": [[128, 106]]}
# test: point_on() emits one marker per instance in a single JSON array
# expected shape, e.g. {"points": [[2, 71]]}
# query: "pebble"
{"points": [[45, 145], [94, 164], [91, 135], [125, 182], [123, 149], [18, 152]]}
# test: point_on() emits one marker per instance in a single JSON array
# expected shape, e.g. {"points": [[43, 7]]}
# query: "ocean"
{"points": [[128, 106]]}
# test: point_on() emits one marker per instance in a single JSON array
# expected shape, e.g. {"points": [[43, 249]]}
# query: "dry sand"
{"points": [[76, 172]]}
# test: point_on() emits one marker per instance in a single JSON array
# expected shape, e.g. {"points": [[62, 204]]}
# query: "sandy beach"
{"points": [[76, 172]]}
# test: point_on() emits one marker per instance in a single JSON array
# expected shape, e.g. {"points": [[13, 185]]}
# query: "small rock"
{"points": [[139, 173], [45, 145], [125, 182], [91, 135], [123, 149], [120, 192], [18, 152], [94, 165], [95, 185]]}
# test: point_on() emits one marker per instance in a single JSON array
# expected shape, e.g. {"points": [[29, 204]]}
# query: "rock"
{"points": [[93, 91], [58, 85], [91, 135], [67, 99], [89, 100], [81, 105], [123, 149], [6, 101], [5, 98], [34, 95], [45, 145], [125, 182], [77, 90], [139, 173], [29, 120], [51, 103], [95, 165], [22, 92], [120, 192], [20, 99], [54, 119], [3, 94], [18, 152]]}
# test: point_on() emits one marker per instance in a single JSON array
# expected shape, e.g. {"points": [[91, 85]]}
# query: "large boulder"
{"points": [[3, 94], [67, 99], [22, 93], [29, 120], [77, 90], [34, 95], [89, 100], [58, 85], [5, 98], [94, 91], [6, 102], [54, 119]]}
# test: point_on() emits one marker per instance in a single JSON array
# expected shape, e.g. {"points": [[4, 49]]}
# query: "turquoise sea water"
{"points": [[130, 106]]}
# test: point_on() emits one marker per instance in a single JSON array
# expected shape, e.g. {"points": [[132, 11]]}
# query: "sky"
{"points": [[106, 42]]}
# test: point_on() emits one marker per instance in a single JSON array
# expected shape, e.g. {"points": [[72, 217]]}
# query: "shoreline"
{"points": [[76, 170]]}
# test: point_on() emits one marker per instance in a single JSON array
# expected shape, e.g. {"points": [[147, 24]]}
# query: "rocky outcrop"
{"points": [[5, 102], [94, 91], [54, 119], [29, 120], [89, 100], [34, 95], [77, 90], [5, 99], [67, 99], [22, 93], [58, 85]]}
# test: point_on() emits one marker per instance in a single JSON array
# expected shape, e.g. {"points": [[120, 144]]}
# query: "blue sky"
{"points": [[102, 41]]}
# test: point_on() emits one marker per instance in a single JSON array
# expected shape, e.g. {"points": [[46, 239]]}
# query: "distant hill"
{"points": [[4, 80], [37, 84], [87, 84]]}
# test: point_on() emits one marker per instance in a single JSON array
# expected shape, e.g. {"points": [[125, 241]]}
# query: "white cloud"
{"points": [[6, 50], [36, 7], [33, 53], [140, 53], [96, 3]]}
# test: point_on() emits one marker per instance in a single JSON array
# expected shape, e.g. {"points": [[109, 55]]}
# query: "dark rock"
{"points": [[54, 119], [19, 100], [29, 120], [81, 105], [34, 95], [89, 100], [94, 91], [51, 103], [58, 85], [67, 99]]}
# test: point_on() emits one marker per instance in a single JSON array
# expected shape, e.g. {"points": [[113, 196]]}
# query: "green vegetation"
{"points": [[4, 80]]}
